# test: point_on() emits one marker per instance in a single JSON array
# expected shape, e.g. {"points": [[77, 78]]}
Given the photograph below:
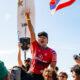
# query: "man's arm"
{"points": [[53, 60], [53, 65], [19, 56], [30, 26]]}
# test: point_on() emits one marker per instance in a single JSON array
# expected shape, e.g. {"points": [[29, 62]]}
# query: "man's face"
{"points": [[27, 63], [62, 77], [48, 75], [75, 76], [42, 40]]}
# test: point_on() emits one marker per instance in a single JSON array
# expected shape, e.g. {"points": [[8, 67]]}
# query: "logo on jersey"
{"points": [[40, 56], [52, 51], [45, 54]]}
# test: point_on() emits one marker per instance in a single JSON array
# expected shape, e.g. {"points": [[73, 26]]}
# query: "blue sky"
{"points": [[63, 29]]}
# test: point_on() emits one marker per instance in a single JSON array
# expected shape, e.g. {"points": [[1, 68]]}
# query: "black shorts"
{"points": [[33, 76], [36, 76]]}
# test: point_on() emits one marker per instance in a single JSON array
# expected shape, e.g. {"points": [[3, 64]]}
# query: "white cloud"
{"points": [[7, 16]]}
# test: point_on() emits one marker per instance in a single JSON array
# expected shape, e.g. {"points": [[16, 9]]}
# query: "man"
{"points": [[63, 76], [4, 74], [42, 55], [27, 63], [76, 72]]}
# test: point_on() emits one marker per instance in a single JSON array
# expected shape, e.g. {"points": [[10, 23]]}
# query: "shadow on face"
{"points": [[27, 63], [42, 40], [75, 76]]}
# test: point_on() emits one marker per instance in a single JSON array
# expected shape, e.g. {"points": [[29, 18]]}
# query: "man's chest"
{"points": [[42, 55]]}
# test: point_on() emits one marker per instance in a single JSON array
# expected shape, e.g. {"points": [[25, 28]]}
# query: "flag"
{"points": [[59, 4]]}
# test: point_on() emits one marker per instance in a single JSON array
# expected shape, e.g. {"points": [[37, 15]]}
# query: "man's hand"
{"points": [[27, 14], [19, 45]]}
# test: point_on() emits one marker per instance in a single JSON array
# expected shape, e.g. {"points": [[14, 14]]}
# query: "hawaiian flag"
{"points": [[59, 4]]}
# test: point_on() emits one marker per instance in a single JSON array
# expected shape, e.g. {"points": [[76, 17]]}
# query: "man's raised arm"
{"points": [[19, 55], [30, 26]]}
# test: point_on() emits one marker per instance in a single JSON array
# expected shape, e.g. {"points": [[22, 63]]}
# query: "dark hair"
{"points": [[76, 69], [54, 75], [43, 34], [28, 60], [56, 68], [64, 74]]}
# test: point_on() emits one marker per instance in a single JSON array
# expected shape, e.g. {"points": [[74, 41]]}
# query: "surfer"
{"points": [[42, 55]]}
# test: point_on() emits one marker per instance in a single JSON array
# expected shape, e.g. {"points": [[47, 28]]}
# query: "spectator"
{"points": [[76, 72], [4, 74], [27, 62], [63, 76], [42, 55]]}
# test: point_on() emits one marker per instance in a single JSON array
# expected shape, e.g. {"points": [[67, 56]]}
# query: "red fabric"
{"points": [[41, 58], [65, 4], [52, 2]]}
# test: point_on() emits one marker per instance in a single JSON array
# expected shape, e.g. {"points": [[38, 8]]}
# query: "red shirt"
{"points": [[41, 58]]}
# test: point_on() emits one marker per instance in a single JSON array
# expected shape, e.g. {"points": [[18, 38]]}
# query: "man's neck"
{"points": [[43, 47]]}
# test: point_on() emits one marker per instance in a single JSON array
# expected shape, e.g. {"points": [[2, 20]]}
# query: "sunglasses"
{"points": [[62, 76], [27, 60]]}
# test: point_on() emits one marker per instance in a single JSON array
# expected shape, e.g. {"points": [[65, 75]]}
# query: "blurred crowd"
{"points": [[17, 72]]}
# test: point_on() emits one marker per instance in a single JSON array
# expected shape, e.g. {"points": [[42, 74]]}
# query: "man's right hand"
{"points": [[19, 44], [27, 14]]}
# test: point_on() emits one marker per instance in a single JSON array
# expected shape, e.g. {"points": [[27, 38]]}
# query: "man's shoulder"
{"points": [[52, 51]]}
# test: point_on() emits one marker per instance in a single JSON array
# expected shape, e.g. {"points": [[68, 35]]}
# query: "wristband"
{"points": [[28, 19]]}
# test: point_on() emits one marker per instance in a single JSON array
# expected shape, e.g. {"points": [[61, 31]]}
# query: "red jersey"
{"points": [[41, 58]]}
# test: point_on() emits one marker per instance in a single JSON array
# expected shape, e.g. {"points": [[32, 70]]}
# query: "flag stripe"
{"points": [[65, 4]]}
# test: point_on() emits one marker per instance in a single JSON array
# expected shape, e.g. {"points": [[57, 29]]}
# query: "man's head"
{"points": [[56, 69], [28, 62], [43, 39], [49, 74], [63, 76], [4, 75], [76, 72]]}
